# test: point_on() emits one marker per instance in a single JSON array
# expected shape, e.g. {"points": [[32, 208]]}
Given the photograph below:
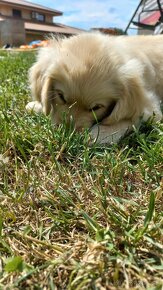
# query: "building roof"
{"points": [[54, 28], [27, 4]]}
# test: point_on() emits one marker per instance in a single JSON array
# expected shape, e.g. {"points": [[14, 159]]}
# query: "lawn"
{"points": [[72, 216]]}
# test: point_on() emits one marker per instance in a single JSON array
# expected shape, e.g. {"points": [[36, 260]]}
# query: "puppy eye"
{"points": [[96, 107], [61, 96]]}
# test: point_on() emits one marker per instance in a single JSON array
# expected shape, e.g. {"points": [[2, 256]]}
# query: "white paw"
{"points": [[34, 106]]}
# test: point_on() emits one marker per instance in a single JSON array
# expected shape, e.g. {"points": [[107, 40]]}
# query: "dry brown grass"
{"points": [[71, 216]]}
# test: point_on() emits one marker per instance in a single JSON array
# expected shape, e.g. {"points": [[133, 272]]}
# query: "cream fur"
{"points": [[91, 76]]}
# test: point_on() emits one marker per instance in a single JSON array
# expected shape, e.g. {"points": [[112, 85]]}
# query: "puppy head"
{"points": [[79, 84], [80, 80]]}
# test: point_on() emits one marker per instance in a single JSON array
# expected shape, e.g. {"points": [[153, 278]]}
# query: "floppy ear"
{"points": [[35, 81], [132, 96], [41, 87], [47, 95]]}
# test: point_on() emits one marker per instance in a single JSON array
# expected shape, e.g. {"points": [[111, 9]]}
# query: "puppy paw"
{"points": [[34, 106]]}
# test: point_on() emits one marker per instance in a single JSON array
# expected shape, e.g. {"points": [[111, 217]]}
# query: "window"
{"points": [[17, 13], [38, 16]]}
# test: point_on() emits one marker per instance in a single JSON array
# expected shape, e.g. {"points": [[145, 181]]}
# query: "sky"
{"points": [[87, 14]]}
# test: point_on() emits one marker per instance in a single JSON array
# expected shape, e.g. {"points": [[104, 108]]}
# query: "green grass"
{"points": [[73, 216]]}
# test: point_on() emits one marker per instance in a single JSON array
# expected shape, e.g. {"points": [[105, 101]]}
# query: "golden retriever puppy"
{"points": [[98, 79]]}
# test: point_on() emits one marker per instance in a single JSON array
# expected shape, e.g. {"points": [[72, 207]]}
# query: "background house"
{"points": [[22, 22], [147, 18]]}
